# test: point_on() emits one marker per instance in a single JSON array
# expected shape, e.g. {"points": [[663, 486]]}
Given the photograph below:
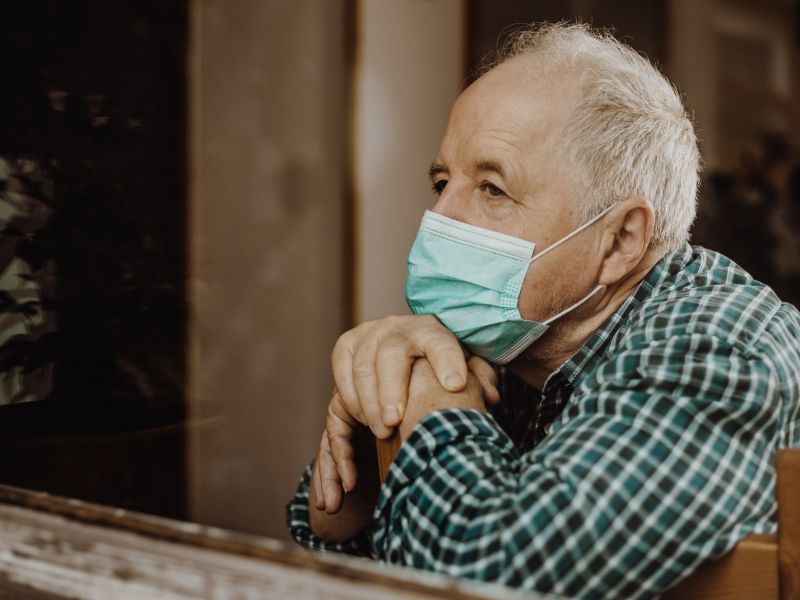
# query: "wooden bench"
{"points": [[762, 567], [53, 548]]}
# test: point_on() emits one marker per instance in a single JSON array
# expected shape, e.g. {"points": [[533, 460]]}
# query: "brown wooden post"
{"points": [[788, 468], [387, 450]]}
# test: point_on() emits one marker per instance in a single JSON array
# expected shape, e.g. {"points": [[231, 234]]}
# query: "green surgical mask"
{"points": [[470, 279]]}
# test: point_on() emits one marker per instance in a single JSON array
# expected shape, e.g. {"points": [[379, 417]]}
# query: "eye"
{"points": [[438, 186], [492, 189]]}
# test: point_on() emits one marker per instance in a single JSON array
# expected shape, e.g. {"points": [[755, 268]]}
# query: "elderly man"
{"points": [[647, 383]]}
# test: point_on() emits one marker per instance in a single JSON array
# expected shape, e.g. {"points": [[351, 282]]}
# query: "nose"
{"points": [[452, 201]]}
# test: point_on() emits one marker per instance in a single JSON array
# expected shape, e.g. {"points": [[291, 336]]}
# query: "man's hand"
{"points": [[335, 470], [334, 516], [372, 366]]}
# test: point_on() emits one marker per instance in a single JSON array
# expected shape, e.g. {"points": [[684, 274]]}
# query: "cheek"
{"points": [[502, 214], [540, 291], [552, 285]]}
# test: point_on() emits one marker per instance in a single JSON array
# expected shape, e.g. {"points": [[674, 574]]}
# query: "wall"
{"points": [[266, 210], [410, 69], [270, 260]]}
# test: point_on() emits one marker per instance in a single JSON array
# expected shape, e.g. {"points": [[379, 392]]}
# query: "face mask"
{"points": [[470, 279]]}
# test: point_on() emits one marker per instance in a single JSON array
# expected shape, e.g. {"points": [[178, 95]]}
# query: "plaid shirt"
{"points": [[647, 452]]}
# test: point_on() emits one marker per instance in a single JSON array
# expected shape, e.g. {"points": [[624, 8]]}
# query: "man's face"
{"points": [[496, 169]]}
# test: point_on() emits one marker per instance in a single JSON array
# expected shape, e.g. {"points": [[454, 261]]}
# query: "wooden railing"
{"points": [[52, 548]]}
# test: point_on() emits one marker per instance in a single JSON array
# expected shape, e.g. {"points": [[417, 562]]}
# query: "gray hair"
{"points": [[630, 134]]}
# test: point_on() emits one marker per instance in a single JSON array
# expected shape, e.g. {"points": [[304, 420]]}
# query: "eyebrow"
{"points": [[484, 165], [488, 165], [435, 169]]}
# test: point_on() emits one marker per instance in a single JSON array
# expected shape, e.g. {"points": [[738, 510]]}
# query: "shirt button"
{"points": [[547, 429]]}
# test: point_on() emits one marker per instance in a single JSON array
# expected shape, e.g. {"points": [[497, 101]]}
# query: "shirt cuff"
{"points": [[298, 522], [428, 443]]}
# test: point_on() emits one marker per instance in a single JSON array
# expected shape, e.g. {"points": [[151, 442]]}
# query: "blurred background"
{"points": [[198, 197]]}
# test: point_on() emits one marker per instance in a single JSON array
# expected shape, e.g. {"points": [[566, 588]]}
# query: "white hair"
{"points": [[630, 134]]}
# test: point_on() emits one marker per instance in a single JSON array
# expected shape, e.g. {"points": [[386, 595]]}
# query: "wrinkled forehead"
{"points": [[515, 107]]}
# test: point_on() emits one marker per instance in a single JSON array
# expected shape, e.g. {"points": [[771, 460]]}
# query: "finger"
{"points": [[446, 356], [331, 484], [319, 497], [340, 429], [342, 366], [365, 379], [487, 377], [393, 366]]}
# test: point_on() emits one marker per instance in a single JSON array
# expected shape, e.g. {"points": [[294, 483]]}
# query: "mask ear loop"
{"points": [[556, 245], [571, 235], [574, 306]]}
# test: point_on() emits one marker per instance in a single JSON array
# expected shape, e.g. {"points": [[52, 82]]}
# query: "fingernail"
{"points": [[391, 414], [454, 380]]}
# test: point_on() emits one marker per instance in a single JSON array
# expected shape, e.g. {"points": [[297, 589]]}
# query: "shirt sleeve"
{"points": [[661, 458], [297, 519]]}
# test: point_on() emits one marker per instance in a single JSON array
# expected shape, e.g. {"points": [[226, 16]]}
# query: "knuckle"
{"points": [[393, 349], [363, 369], [332, 445], [340, 414], [429, 322], [342, 449], [392, 321], [342, 346], [397, 326], [330, 423], [335, 426], [443, 344]]}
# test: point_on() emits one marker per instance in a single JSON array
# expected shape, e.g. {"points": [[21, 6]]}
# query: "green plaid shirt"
{"points": [[647, 452]]}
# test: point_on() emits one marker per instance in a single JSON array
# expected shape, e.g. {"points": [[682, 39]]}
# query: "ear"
{"points": [[627, 238]]}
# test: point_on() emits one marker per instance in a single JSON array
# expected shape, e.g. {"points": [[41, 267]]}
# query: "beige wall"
{"points": [[269, 145], [266, 208], [409, 72]]}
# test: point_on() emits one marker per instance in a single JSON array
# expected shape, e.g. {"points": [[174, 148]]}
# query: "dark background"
{"points": [[92, 126]]}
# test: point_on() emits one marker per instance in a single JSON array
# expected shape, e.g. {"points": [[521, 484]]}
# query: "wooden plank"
{"points": [[58, 548], [66, 558], [748, 571], [387, 449], [788, 468]]}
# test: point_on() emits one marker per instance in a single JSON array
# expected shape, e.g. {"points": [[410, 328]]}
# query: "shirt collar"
{"points": [[592, 350]]}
